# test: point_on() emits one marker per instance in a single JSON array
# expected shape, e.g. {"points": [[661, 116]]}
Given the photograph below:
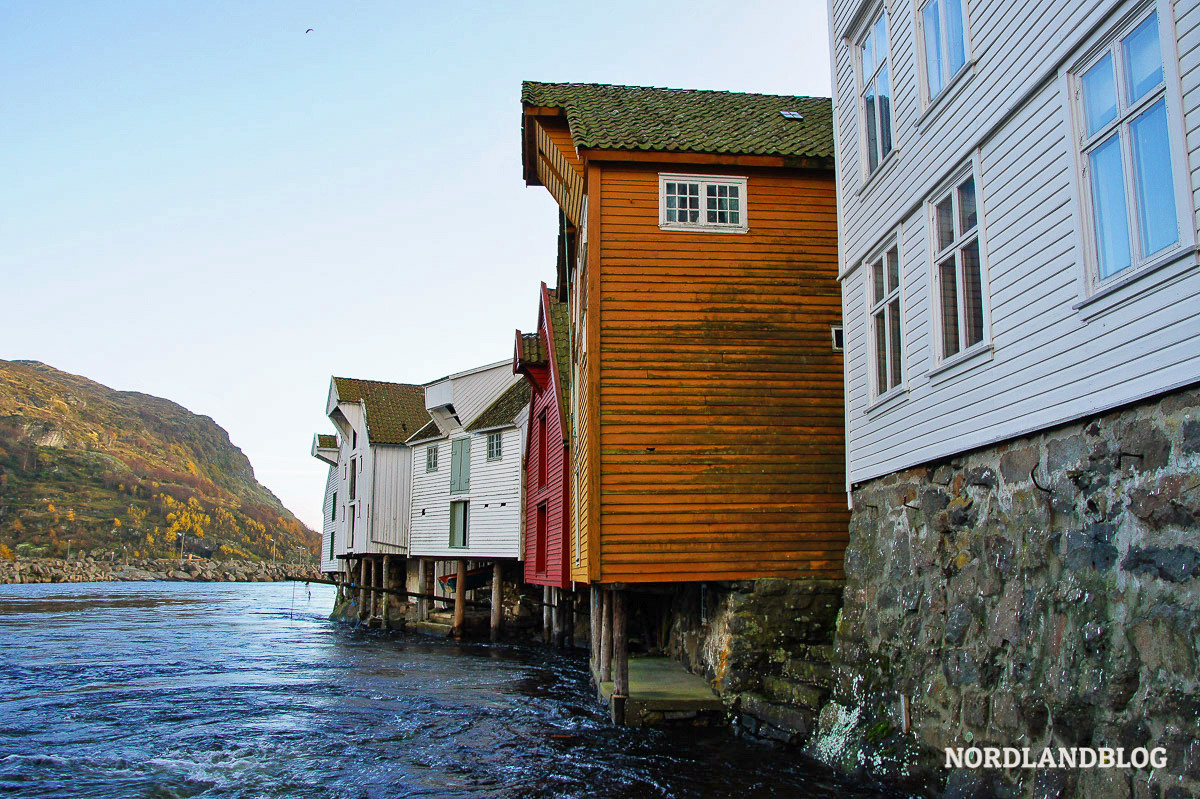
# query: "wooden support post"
{"points": [[569, 616], [594, 618], [370, 590], [620, 659], [422, 588], [497, 599], [547, 611], [362, 588], [558, 617], [460, 600], [385, 599], [606, 635]]}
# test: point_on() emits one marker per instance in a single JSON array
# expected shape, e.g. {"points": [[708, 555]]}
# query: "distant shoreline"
{"points": [[88, 570]]}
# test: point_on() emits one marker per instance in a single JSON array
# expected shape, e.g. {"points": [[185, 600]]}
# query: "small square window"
{"points": [[697, 202], [839, 340], [494, 446]]}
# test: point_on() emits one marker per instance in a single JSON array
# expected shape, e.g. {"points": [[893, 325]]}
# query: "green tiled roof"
{"points": [[394, 410], [530, 349], [430, 430], [688, 120], [504, 409], [561, 325], [326, 441]]}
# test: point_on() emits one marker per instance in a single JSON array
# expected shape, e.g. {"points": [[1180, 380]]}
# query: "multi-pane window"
{"points": [[333, 508], [958, 273], [886, 349], [705, 203], [1126, 153], [876, 93], [431, 453], [944, 32], [353, 479], [494, 443]]}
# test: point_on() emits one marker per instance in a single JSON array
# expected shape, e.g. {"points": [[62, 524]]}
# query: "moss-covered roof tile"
{"points": [[394, 410], [610, 117]]}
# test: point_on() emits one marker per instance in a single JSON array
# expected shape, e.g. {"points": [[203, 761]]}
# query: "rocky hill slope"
{"points": [[92, 469]]}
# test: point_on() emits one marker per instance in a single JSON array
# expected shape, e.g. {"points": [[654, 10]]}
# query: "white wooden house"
{"points": [[373, 419], [1021, 305], [325, 448], [1017, 226], [467, 476]]}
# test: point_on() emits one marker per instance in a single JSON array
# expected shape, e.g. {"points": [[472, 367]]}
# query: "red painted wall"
{"points": [[552, 492]]}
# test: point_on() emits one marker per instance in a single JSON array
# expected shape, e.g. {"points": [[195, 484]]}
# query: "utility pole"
{"points": [[181, 547]]}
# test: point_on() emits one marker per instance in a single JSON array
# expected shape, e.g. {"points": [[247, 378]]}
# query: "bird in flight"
{"points": [[310, 30]]}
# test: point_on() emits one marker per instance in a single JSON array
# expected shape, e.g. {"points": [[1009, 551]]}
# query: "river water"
{"points": [[247, 690]]}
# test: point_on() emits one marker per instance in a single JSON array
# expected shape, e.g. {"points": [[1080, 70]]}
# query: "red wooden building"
{"points": [[543, 358]]}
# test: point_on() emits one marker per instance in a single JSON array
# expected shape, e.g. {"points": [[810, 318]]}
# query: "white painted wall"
{"points": [[1049, 361], [329, 525], [391, 494]]}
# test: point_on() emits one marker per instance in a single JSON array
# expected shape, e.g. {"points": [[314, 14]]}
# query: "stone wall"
{"points": [[764, 645], [1042, 592], [88, 569]]}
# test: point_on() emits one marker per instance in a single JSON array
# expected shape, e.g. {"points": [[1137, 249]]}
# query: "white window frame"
{"points": [[743, 225], [927, 94], [872, 307], [431, 458], [1103, 44], [938, 254], [498, 438], [863, 81]]}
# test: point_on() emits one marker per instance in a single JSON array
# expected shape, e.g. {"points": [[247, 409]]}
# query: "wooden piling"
{"points": [[362, 588], [569, 616], [384, 598], [620, 658], [497, 599], [460, 600], [606, 635], [422, 588], [547, 610], [557, 617], [594, 618]]}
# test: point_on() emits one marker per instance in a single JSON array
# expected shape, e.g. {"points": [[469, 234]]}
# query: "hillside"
{"points": [[128, 473]]}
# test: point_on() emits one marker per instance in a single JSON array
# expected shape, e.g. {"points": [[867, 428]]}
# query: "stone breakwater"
{"points": [[91, 570]]}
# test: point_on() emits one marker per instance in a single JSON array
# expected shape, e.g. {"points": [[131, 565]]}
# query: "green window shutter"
{"points": [[460, 465]]}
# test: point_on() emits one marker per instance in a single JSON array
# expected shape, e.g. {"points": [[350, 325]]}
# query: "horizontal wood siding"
{"points": [[552, 493], [495, 497], [329, 524], [720, 394], [1049, 361]]}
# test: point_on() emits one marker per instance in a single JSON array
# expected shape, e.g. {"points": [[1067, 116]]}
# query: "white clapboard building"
{"points": [[1021, 305], [325, 448], [367, 503]]}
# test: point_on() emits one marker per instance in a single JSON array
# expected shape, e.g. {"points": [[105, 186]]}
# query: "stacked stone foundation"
{"points": [[1044, 592]]}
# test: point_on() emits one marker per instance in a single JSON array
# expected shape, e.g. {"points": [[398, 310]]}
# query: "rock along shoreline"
{"points": [[89, 570]]}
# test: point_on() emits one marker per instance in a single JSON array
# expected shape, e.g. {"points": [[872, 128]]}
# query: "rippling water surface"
{"points": [[247, 690]]}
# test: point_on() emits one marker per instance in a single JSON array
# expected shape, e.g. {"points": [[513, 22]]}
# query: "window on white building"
{"points": [[883, 274], [1126, 116], [957, 268], [875, 93], [943, 26], [431, 453], [698, 202], [494, 444]]}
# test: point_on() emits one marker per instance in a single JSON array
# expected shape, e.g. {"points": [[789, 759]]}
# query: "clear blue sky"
{"points": [[205, 203]]}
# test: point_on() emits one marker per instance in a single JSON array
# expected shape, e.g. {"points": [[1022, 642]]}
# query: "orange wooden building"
{"points": [[698, 250]]}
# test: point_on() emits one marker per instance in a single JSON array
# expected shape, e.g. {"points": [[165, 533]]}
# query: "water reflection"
{"points": [[246, 690]]}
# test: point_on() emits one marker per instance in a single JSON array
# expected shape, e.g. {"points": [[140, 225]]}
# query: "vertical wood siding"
{"points": [[391, 492], [558, 167], [720, 397], [1049, 362], [473, 393]]}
